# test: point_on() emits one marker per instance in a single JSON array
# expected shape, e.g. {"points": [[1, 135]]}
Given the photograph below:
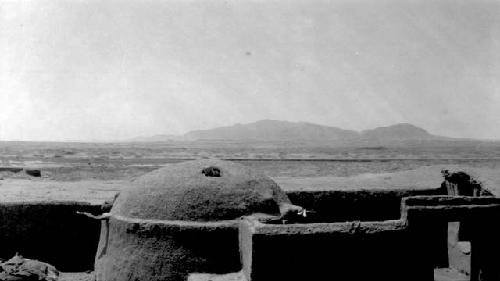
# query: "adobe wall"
{"points": [[165, 250], [51, 232], [355, 205], [481, 214], [450, 208], [405, 249], [342, 251], [370, 205]]}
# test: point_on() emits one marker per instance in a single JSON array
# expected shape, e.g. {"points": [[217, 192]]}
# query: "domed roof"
{"points": [[201, 190]]}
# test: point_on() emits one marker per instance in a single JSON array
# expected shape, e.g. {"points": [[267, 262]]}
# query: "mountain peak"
{"points": [[405, 125], [401, 131]]}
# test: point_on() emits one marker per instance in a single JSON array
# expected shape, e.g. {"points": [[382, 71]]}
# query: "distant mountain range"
{"points": [[274, 130]]}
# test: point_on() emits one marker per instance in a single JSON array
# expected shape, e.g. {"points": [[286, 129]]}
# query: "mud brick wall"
{"points": [[355, 205], [481, 212], [51, 232], [371, 205], [339, 251]]}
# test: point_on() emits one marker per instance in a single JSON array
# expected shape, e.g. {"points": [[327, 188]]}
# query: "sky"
{"points": [[110, 70]]}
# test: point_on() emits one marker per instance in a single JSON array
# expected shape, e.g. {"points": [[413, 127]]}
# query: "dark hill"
{"points": [[398, 132]]}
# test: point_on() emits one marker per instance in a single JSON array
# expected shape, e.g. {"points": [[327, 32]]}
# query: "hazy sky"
{"points": [[79, 70]]}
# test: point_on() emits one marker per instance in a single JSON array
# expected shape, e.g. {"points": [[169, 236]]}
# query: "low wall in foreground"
{"points": [[340, 251], [403, 249]]}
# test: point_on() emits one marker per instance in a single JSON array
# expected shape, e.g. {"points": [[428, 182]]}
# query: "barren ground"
{"points": [[96, 172], [97, 191]]}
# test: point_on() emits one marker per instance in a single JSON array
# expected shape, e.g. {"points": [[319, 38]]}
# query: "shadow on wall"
{"points": [[51, 232], [355, 205]]}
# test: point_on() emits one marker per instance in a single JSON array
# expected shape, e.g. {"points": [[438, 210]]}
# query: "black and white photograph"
{"points": [[249, 140]]}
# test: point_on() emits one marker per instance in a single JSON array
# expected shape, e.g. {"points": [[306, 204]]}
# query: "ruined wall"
{"points": [[461, 183], [51, 232]]}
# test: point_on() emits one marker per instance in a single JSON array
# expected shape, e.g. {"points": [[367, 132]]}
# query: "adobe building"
{"points": [[182, 218], [379, 234], [217, 220]]}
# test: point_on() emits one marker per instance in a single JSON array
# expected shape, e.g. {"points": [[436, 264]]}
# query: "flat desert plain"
{"points": [[94, 172]]}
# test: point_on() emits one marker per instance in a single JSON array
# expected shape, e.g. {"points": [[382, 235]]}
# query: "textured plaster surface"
{"points": [[183, 192], [151, 250]]}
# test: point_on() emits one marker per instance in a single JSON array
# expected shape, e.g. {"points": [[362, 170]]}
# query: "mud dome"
{"points": [[182, 218], [209, 190]]}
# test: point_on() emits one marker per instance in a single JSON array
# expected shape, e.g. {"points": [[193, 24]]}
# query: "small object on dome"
{"points": [[212, 172]]}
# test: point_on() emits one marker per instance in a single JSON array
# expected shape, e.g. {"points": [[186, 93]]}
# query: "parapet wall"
{"points": [[51, 232]]}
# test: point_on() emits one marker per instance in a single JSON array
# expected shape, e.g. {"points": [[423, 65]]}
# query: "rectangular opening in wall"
{"points": [[459, 254]]}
